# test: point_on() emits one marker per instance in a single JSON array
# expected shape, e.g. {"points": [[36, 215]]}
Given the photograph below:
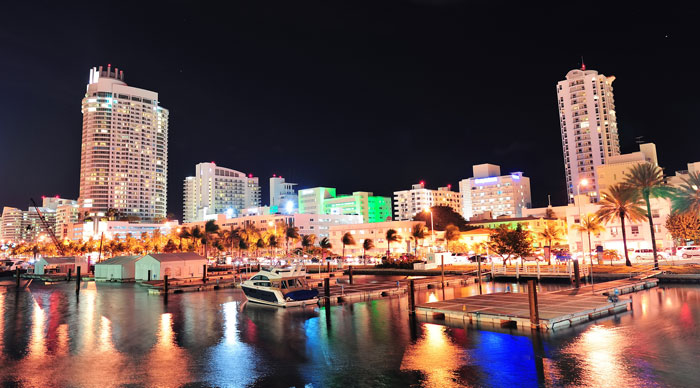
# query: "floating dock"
{"points": [[558, 309]]}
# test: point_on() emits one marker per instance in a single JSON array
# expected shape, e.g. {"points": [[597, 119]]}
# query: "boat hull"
{"points": [[273, 297]]}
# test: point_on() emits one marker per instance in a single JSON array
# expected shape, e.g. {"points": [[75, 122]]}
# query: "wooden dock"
{"points": [[344, 292], [557, 309], [537, 271]]}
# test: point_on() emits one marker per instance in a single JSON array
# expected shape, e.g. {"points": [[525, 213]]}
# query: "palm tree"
{"points": [[391, 236], [209, 228], [550, 233], [347, 240], [274, 242], [290, 233], [418, 234], [686, 198], [325, 244], [590, 224], [308, 241], [648, 180], [260, 244], [619, 203], [367, 245], [451, 234], [196, 235]]}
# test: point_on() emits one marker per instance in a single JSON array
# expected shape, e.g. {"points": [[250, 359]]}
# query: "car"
{"points": [[647, 254], [689, 251], [475, 259]]}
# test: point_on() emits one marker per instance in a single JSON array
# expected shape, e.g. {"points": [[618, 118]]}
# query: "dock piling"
{"points": [[411, 297], [328, 267], [69, 274], [165, 284], [17, 274], [350, 274], [77, 280], [577, 277], [327, 288], [204, 273], [534, 308]]}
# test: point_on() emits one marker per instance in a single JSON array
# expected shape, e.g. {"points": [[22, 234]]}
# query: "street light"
{"points": [[583, 182], [432, 228]]}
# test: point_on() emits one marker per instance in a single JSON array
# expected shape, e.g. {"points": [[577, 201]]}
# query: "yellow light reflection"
{"points": [[166, 352], [432, 297], [436, 357]]}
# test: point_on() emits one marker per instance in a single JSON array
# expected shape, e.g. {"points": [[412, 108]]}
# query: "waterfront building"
{"points": [[318, 224], [638, 234], [283, 197], [25, 225], [173, 265], [119, 230], [534, 225], [215, 190], [311, 201], [60, 265], [489, 191], [124, 152], [616, 167], [677, 179], [11, 225], [372, 208], [588, 122], [117, 268], [377, 232], [407, 203]]}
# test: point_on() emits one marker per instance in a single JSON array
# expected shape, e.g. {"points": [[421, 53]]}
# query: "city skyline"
{"points": [[262, 122]]}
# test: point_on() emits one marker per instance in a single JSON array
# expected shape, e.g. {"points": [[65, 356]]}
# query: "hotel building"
{"points": [[216, 190], [588, 124], [489, 192], [283, 197], [311, 201], [124, 152], [616, 167], [377, 233], [372, 208], [407, 203]]}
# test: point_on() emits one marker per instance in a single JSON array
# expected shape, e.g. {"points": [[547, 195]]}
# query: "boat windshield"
{"points": [[293, 283]]}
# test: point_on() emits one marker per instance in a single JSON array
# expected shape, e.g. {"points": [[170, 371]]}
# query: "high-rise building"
{"points": [[11, 224], [311, 201], [588, 123], [19, 225], [218, 190], [409, 202], [490, 192], [283, 197], [372, 208], [124, 153]]}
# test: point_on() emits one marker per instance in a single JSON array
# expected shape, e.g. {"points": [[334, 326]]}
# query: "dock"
{"points": [[344, 292], [537, 271], [557, 309]]}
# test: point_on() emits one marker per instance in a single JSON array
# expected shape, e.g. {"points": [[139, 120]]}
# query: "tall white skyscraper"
{"points": [[124, 154], [588, 127], [218, 190]]}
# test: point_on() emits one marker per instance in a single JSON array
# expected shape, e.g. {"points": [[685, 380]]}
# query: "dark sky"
{"points": [[362, 95]]}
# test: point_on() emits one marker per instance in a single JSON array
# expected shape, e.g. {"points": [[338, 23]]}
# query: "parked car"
{"points": [[562, 256], [688, 251], [648, 254], [475, 259]]}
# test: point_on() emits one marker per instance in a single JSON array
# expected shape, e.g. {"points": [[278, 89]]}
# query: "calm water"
{"points": [[118, 335]]}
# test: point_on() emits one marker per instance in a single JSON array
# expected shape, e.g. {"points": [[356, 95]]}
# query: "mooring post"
{"points": [[17, 272], [77, 279], [165, 284], [478, 272], [350, 273], [69, 273], [411, 298], [538, 270], [534, 308], [204, 273], [577, 278], [517, 271], [328, 267], [327, 288]]}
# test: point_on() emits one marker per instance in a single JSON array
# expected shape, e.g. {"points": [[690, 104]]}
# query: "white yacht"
{"points": [[284, 287]]}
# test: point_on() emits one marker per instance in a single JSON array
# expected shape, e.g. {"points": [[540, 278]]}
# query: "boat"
{"points": [[283, 287]]}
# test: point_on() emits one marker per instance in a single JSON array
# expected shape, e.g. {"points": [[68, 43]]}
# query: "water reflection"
{"points": [[117, 335]]}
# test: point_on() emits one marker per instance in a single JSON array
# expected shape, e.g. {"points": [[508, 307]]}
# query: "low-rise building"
{"points": [[534, 225], [377, 232], [117, 268], [115, 230], [489, 191], [617, 166], [372, 208], [174, 265]]}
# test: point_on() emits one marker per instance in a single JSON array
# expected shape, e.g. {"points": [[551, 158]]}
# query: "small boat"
{"points": [[283, 287]]}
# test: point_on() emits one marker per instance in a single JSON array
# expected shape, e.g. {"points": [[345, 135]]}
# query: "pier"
{"points": [[557, 309]]}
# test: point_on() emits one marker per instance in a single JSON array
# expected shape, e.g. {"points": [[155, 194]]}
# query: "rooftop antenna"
{"points": [[549, 200], [639, 139], [583, 65]]}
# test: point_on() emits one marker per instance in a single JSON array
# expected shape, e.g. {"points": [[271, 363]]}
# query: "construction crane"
{"points": [[59, 248]]}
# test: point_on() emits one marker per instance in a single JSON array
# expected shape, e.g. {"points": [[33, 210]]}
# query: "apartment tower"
{"points": [[124, 153], [588, 128]]}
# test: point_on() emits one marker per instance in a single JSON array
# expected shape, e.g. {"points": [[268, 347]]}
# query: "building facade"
{"points": [[115, 230], [216, 190], [372, 208], [588, 122], [615, 169], [311, 201], [124, 152], [283, 197], [18, 225], [489, 191], [11, 225], [407, 203], [377, 233]]}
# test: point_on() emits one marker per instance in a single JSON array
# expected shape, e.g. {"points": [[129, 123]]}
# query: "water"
{"points": [[118, 335]]}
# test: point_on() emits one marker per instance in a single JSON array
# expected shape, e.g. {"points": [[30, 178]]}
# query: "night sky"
{"points": [[362, 95]]}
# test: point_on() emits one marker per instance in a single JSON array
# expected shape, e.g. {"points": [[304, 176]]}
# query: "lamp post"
{"points": [[583, 182]]}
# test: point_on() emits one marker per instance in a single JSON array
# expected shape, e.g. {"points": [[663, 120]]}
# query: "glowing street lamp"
{"points": [[432, 228], [583, 182]]}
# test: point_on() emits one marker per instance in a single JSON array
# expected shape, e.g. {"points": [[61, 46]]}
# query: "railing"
{"points": [[539, 269]]}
